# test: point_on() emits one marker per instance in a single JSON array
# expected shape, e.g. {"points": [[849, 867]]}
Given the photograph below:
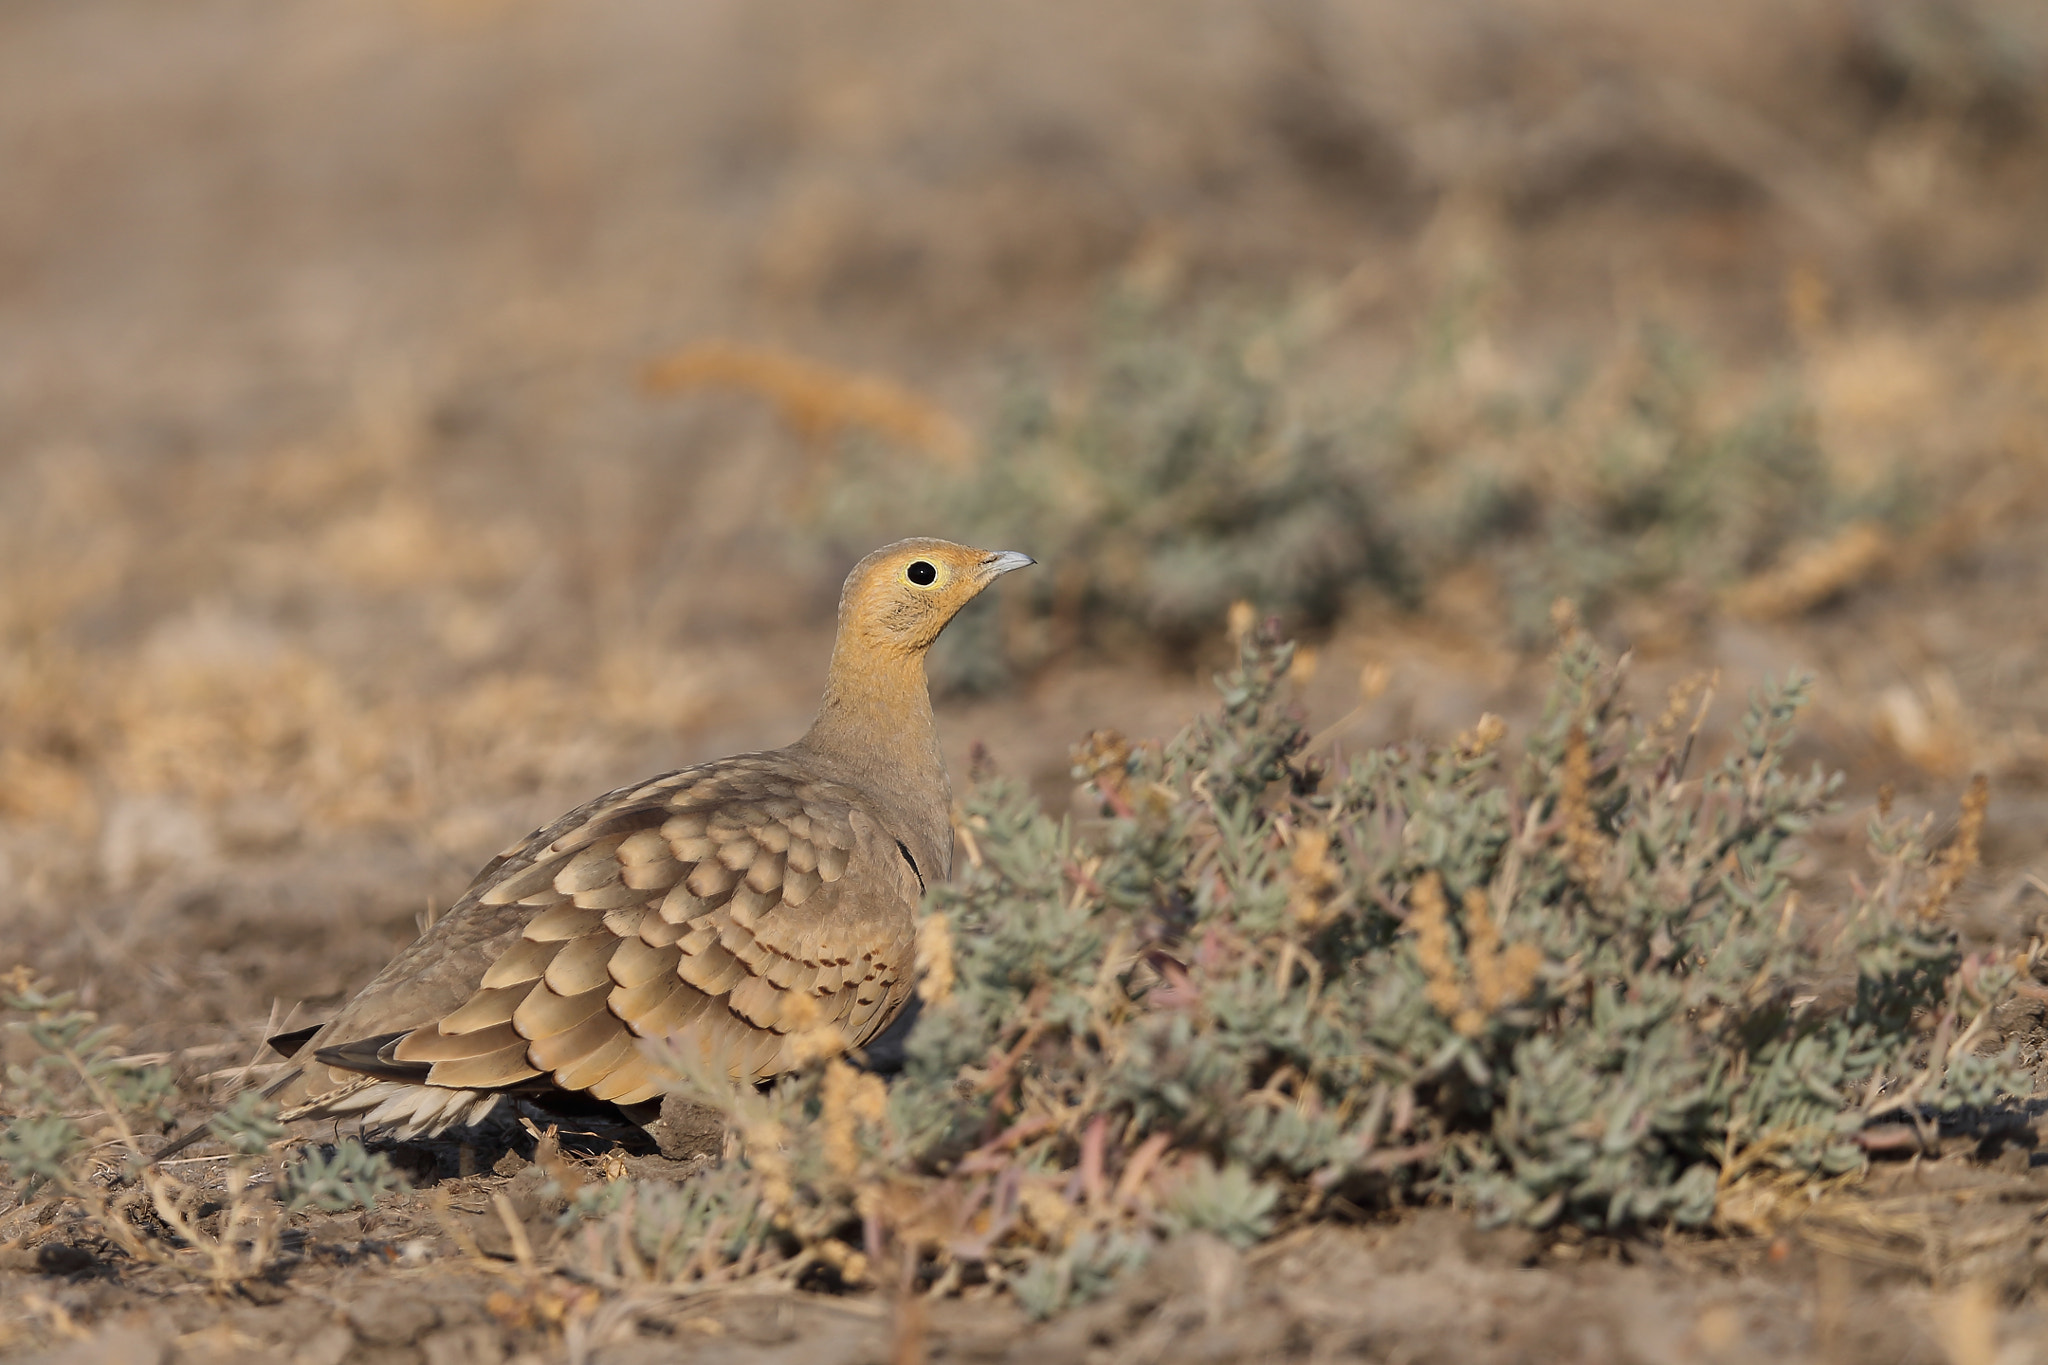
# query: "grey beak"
{"points": [[1000, 564]]}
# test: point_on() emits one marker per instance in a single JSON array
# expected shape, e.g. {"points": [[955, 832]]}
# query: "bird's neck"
{"points": [[875, 731]]}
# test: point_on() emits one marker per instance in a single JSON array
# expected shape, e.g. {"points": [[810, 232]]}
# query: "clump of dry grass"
{"points": [[818, 401], [1850, 558]]}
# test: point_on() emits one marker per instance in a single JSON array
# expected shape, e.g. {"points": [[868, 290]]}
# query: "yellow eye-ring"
{"points": [[923, 573]]}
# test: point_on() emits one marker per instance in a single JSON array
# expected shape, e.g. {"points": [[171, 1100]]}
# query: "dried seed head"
{"points": [[1498, 977], [852, 1265], [1486, 732], [1051, 1214], [1429, 918], [837, 1119], [1314, 876], [934, 960], [1960, 857], [763, 1140], [1680, 698], [1564, 619], [1584, 848], [811, 1035], [1240, 622], [1103, 759]]}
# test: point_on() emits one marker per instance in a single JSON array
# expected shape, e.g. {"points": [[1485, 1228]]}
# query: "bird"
{"points": [[732, 908]]}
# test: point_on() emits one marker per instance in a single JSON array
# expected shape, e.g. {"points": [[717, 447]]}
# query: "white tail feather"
{"points": [[403, 1109]]}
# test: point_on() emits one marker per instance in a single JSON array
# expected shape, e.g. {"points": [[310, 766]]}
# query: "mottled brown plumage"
{"points": [[744, 909]]}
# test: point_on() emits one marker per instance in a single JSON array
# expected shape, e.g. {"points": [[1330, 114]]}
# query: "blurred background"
{"points": [[417, 416]]}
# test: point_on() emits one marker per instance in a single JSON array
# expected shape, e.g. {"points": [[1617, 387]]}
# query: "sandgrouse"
{"points": [[728, 907]]}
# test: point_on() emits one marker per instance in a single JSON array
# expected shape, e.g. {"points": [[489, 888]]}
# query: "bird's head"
{"points": [[898, 599]]}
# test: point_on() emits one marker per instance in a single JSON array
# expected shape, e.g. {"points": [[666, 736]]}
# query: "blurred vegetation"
{"points": [[1194, 466], [1981, 62]]}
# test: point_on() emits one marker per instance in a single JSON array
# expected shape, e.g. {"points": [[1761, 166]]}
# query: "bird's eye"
{"points": [[921, 573]]}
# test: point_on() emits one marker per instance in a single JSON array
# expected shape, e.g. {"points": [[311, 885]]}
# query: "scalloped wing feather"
{"points": [[696, 908]]}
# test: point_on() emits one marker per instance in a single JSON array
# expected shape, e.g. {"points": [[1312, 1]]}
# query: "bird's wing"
{"points": [[729, 907]]}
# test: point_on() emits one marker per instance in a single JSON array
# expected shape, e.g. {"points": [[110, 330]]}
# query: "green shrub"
{"points": [[655, 1231], [333, 1179]]}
